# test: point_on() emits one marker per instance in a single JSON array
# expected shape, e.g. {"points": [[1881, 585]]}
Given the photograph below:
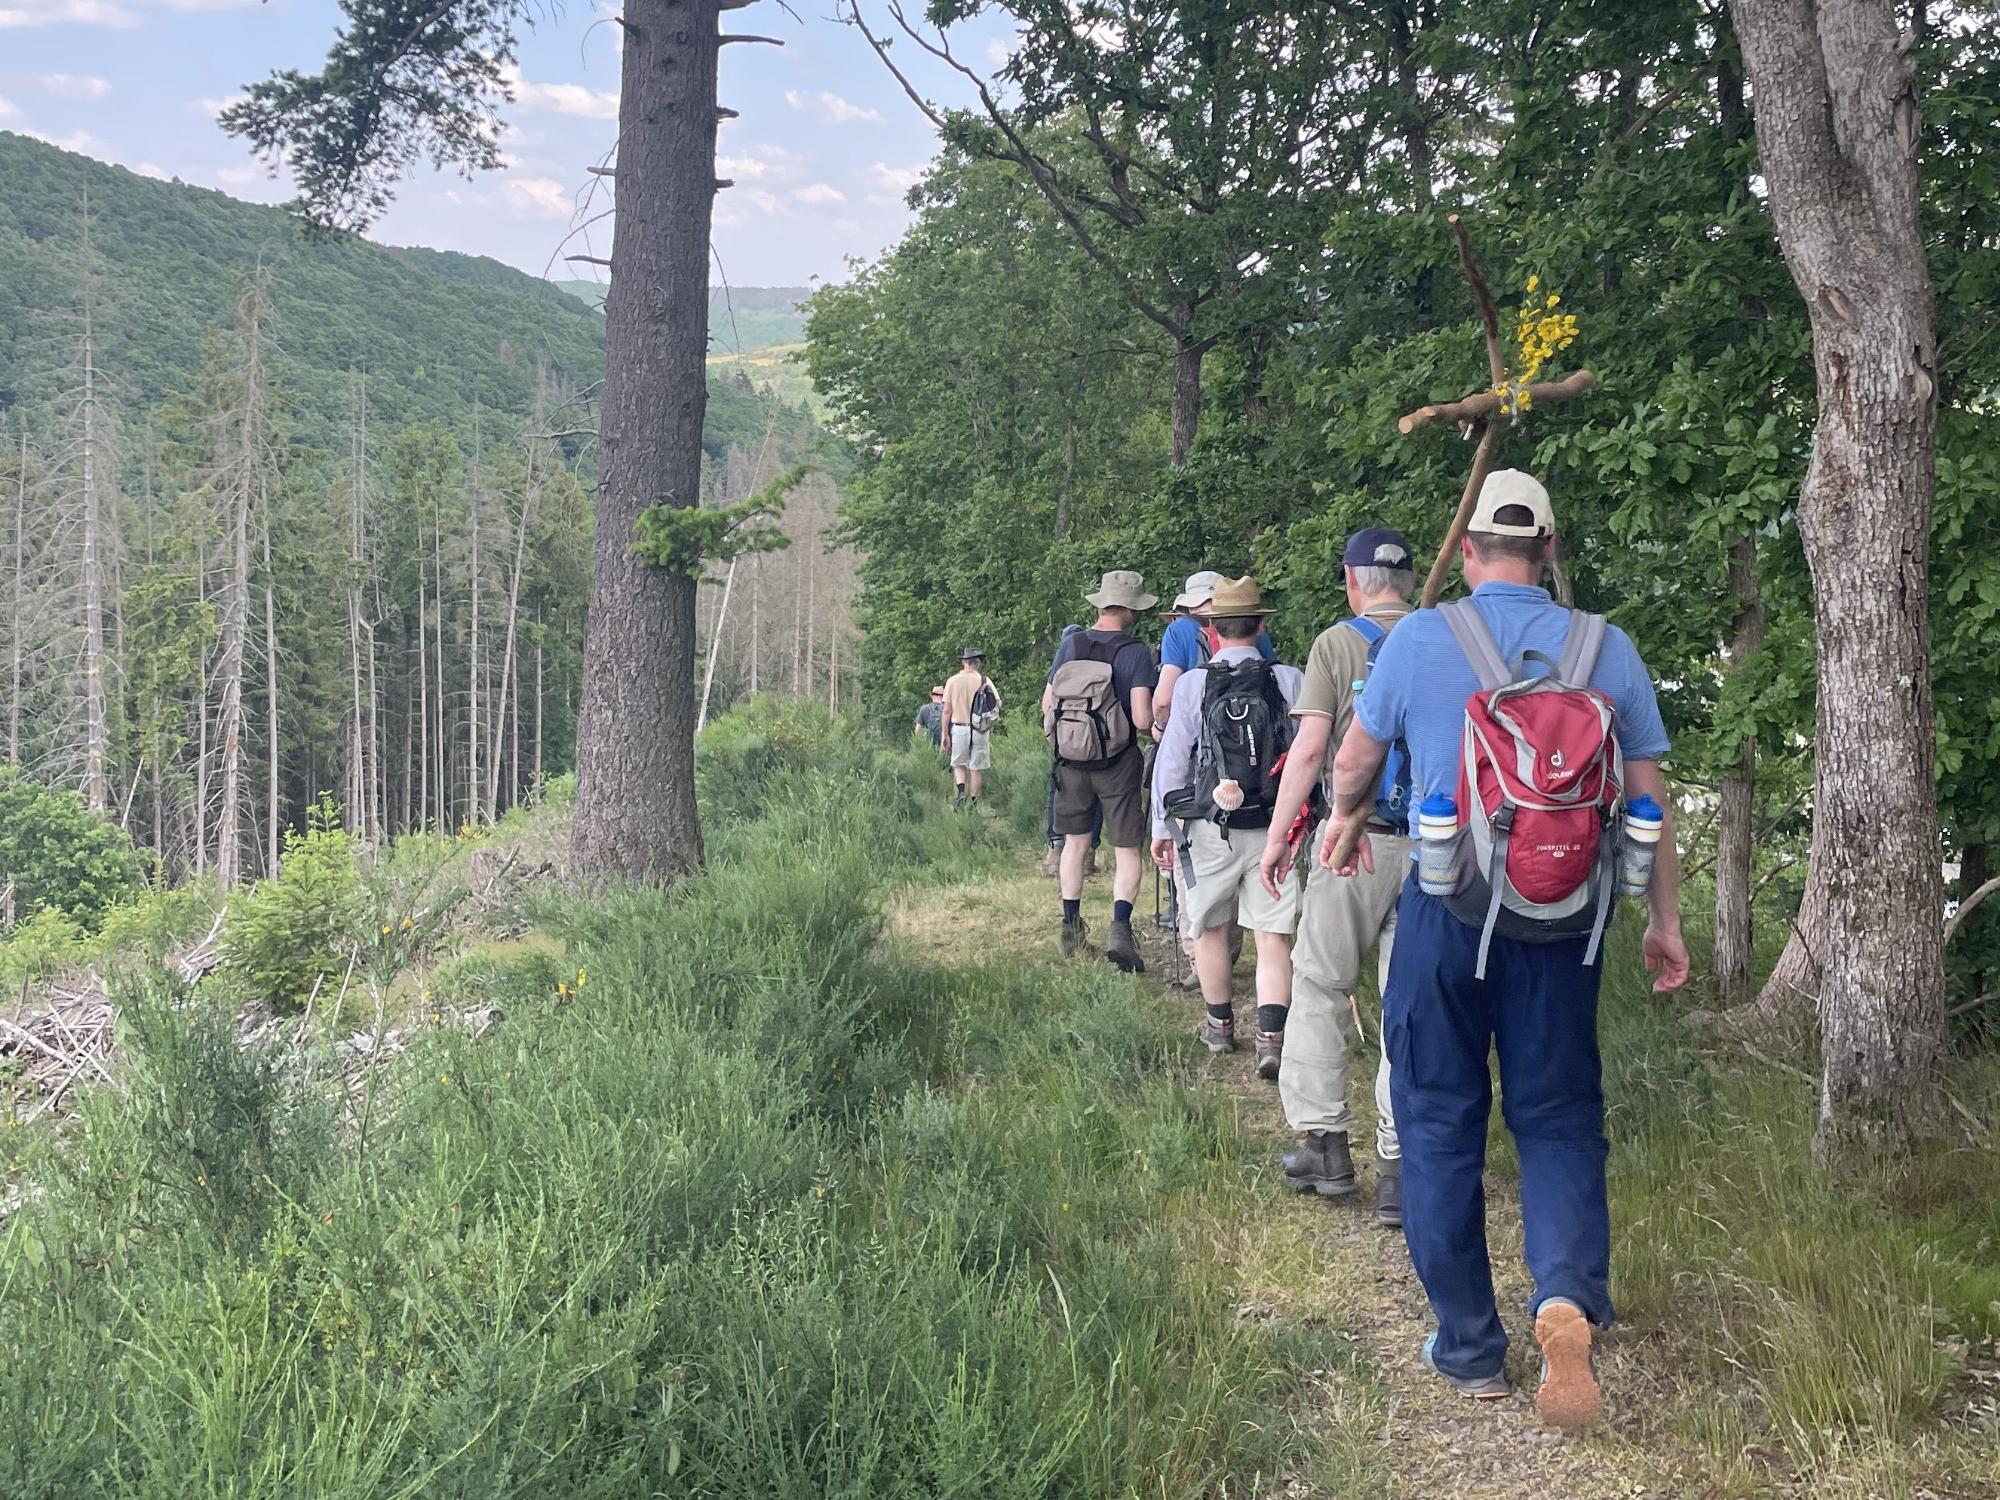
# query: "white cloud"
{"points": [[19, 13], [819, 192], [740, 168], [831, 108], [7, 110], [998, 52], [153, 170], [544, 195], [237, 177], [185, 5], [73, 85], [213, 108], [563, 98], [895, 179]]}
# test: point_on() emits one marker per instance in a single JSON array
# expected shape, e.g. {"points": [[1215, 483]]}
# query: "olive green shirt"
{"points": [[1337, 668]]}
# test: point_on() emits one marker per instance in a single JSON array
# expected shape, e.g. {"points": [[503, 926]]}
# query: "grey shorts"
{"points": [[1118, 786]]}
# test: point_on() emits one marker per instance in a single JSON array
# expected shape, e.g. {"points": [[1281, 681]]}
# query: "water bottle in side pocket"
{"points": [[1644, 822], [1437, 845]]}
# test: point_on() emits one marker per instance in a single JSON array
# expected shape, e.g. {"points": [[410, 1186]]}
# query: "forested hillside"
{"points": [[290, 517]]}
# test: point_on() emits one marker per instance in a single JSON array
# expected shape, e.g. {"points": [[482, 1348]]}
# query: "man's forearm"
{"points": [[1357, 769], [1302, 768]]}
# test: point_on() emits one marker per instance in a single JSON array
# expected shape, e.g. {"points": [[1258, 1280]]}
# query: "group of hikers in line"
{"points": [[1504, 753]]}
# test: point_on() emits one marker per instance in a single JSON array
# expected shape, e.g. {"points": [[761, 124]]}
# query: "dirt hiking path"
{"points": [[1301, 1257]]}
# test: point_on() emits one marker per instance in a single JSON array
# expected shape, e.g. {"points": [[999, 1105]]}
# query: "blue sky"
{"points": [[825, 147]]}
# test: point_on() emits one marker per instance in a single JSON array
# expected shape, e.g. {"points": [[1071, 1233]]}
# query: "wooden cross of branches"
{"points": [[1485, 413]]}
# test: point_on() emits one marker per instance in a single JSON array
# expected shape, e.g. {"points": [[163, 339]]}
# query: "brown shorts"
{"points": [[1118, 786]]}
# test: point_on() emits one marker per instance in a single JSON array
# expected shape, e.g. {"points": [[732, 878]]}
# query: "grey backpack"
{"points": [[1086, 725]]}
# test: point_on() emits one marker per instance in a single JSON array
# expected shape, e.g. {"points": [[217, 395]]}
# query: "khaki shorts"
{"points": [[1118, 786], [1226, 885], [970, 750]]}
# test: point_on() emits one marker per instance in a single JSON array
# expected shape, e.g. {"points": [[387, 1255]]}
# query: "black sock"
{"points": [[1121, 911], [1272, 1017], [1072, 910], [1224, 1013]]}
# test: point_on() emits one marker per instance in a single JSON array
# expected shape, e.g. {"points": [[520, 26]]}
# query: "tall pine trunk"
{"points": [[274, 808], [1834, 95], [95, 782], [635, 810]]}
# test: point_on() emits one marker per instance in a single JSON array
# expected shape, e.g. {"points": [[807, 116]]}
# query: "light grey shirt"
{"points": [[1170, 766]]}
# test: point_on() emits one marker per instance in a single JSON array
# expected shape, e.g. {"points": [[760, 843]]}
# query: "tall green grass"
{"points": [[758, 1207]]}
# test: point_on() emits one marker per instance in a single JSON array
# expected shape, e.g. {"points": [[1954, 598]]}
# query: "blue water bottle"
{"points": [[1437, 845]]}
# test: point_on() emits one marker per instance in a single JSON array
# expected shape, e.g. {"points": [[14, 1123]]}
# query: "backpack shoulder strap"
{"points": [[1370, 631], [1581, 648], [1468, 628]]}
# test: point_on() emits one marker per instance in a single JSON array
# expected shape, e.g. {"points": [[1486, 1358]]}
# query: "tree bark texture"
{"points": [[1834, 96], [635, 809], [1736, 826]]}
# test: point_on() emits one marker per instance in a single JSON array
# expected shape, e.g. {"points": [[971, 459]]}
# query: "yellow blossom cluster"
{"points": [[1539, 332]]}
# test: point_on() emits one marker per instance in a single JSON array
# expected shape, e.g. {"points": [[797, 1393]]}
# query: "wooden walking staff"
{"points": [[1483, 412]]}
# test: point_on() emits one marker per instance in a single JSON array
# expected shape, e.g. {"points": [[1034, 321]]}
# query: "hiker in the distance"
{"points": [[1215, 783], [1340, 920], [971, 706], [1097, 707], [1499, 933], [930, 718], [1051, 865]]}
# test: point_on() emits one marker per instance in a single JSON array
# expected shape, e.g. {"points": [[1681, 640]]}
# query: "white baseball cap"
{"points": [[1505, 487], [1199, 589]]}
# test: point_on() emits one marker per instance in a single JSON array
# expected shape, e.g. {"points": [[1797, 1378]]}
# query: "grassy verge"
{"points": [[762, 1206]]}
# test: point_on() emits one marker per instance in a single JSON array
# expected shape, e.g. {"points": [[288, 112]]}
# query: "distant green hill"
{"points": [[764, 316], [435, 331]]}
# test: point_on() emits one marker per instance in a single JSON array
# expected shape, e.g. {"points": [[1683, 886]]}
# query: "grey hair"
{"points": [[1374, 582]]}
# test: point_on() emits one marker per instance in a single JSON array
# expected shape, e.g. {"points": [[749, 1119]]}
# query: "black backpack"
{"points": [[1244, 732]]}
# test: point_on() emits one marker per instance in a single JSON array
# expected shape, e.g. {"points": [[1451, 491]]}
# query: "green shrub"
{"points": [[48, 941], [287, 936], [156, 920], [59, 854]]}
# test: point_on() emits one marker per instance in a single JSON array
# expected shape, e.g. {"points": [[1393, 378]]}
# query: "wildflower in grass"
{"points": [[385, 929]]}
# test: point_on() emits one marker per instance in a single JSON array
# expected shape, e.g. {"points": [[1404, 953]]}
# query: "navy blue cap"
{"points": [[1377, 547]]}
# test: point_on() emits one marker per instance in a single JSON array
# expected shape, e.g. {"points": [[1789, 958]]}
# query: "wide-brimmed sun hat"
{"points": [[1234, 598], [1196, 590], [1121, 589]]}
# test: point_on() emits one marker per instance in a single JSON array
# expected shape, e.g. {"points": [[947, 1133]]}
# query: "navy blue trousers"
{"points": [[1537, 1007]]}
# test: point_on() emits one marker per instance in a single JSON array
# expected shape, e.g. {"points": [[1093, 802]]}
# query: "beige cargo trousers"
{"points": [[1340, 918]]}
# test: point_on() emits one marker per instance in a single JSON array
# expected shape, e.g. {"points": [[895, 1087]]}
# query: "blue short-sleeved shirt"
{"points": [[1181, 645], [1421, 680]]}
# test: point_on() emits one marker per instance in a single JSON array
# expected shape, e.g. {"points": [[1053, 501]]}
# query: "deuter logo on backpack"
{"points": [[1086, 725], [1541, 785], [1240, 744]]}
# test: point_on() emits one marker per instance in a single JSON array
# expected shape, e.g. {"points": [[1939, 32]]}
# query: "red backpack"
{"points": [[1540, 784]]}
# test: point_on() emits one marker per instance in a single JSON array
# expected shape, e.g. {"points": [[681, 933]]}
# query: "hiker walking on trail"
{"points": [[930, 718], [1097, 707], [1051, 865], [1340, 920], [1188, 643], [971, 706], [1215, 783], [1535, 741]]}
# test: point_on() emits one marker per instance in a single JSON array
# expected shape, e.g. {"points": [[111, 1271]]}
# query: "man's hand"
{"points": [[1361, 857], [1163, 854], [1666, 957], [1276, 865]]}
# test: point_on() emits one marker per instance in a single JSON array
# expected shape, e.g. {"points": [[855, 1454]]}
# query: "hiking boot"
{"points": [[1122, 948], [1322, 1165], [1270, 1054], [1567, 1399], [1389, 1192], [1074, 933], [1190, 981], [1217, 1036], [1492, 1387], [1090, 861], [1051, 865]]}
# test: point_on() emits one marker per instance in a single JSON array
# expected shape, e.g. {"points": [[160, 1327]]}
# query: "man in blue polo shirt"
{"points": [[1537, 1005]]}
